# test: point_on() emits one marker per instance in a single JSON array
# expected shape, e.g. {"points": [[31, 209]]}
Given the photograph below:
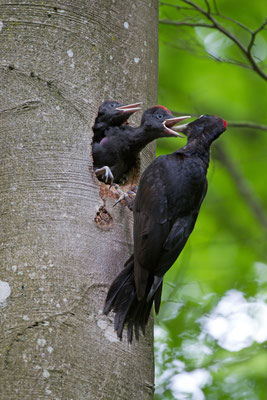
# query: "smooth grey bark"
{"points": [[59, 250]]}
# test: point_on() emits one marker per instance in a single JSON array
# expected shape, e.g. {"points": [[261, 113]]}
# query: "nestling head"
{"points": [[159, 120], [115, 113]]}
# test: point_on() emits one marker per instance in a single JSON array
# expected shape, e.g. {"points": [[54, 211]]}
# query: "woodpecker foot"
{"points": [[105, 173], [124, 196], [121, 193]]}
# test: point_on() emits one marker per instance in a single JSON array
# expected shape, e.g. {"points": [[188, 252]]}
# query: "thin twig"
{"points": [[216, 25], [184, 23], [253, 36], [247, 125], [243, 186], [215, 6], [163, 3], [208, 6], [234, 22], [234, 39], [250, 125], [230, 61], [230, 123], [216, 58], [216, 14], [192, 50]]}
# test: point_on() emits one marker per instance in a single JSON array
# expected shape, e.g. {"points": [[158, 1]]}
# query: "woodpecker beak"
{"points": [[182, 128], [169, 123], [130, 108]]}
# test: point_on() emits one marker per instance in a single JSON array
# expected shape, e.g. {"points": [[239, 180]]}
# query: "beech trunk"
{"points": [[61, 241]]}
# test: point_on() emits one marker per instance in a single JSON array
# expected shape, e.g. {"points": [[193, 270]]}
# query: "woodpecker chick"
{"points": [[117, 153], [112, 113]]}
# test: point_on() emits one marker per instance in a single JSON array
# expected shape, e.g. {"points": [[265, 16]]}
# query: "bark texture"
{"points": [[61, 242]]}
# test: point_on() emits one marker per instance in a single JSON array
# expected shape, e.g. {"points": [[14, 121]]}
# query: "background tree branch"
{"points": [[230, 123], [246, 49], [242, 184]]}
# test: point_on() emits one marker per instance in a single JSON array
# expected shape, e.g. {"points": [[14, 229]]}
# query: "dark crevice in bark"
{"points": [[26, 106], [49, 83], [44, 322]]}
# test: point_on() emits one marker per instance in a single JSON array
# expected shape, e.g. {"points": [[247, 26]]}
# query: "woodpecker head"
{"points": [[114, 113], [206, 128], [159, 120]]}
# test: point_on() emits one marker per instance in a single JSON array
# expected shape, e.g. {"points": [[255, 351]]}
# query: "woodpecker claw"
{"points": [[124, 196], [106, 173], [121, 193]]}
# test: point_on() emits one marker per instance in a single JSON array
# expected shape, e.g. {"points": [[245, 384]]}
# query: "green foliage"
{"points": [[224, 264]]}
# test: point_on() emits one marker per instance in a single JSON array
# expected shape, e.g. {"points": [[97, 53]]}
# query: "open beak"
{"points": [[130, 108], [181, 128], [169, 123]]}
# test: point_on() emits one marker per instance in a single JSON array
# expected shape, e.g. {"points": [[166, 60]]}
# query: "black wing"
{"points": [[151, 223], [161, 225]]}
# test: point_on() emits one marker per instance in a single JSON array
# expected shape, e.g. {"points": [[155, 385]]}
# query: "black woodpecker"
{"points": [[170, 193]]}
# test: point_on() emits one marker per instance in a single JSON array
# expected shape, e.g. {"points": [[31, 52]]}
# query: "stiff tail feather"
{"points": [[122, 299], [117, 285]]}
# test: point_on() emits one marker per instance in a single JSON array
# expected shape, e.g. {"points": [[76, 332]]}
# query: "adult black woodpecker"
{"points": [[117, 153], [166, 206], [112, 113]]}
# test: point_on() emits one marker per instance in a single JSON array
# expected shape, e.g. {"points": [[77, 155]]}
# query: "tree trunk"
{"points": [[61, 241]]}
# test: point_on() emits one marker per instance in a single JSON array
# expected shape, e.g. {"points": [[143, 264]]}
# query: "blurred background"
{"points": [[211, 332]]}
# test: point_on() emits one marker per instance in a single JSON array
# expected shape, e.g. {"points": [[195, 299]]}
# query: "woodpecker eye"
{"points": [[159, 116], [112, 105]]}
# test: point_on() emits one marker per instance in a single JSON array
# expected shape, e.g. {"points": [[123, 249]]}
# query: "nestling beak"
{"points": [[182, 128], [129, 108], [169, 123]]}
